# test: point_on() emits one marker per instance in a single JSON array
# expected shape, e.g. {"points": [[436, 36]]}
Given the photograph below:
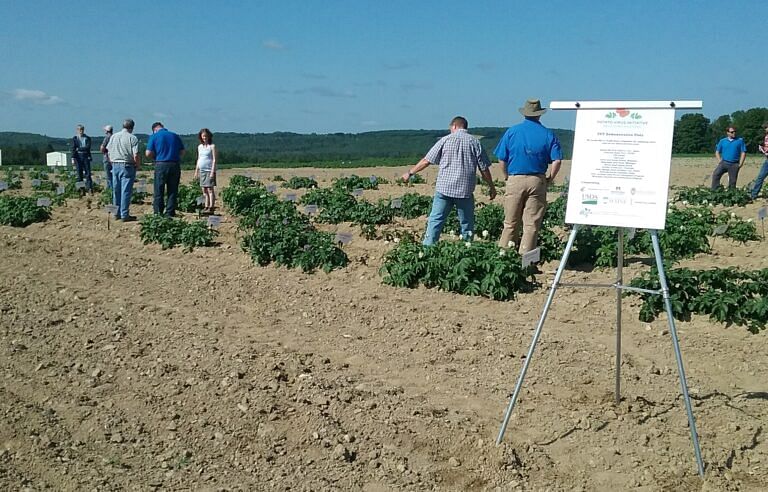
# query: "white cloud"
{"points": [[370, 123], [36, 97], [271, 44]]}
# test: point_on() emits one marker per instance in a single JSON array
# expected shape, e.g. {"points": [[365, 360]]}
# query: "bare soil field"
{"points": [[126, 367]]}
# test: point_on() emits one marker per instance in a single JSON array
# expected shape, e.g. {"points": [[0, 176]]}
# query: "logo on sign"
{"points": [[588, 199]]}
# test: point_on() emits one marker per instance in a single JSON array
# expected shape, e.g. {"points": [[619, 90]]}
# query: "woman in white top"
{"points": [[206, 168]]}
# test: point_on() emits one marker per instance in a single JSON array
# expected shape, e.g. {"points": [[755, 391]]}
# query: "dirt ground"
{"points": [[125, 367]]}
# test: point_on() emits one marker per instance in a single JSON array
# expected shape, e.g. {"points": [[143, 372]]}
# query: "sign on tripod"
{"points": [[620, 167]]}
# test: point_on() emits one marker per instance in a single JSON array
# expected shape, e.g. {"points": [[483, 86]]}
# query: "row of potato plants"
{"points": [[727, 295], [689, 230], [704, 195], [276, 232], [21, 211], [477, 268]]}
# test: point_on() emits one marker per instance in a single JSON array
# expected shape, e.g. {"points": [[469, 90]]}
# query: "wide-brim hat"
{"points": [[532, 108]]}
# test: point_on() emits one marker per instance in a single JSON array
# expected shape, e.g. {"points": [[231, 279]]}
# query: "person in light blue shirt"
{"points": [[731, 152], [166, 148]]}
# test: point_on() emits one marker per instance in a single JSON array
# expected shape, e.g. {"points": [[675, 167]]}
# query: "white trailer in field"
{"points": [[57, 159]]}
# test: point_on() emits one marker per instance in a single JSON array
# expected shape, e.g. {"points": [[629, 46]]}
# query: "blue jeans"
{"points": [[123, 176], [167, 177], [441, 207], [83, 164], [108, 174], [759, 180]]}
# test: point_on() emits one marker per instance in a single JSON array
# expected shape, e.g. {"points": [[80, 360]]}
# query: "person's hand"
{"points": [[197, 174], [492, 192], [406, 177]]}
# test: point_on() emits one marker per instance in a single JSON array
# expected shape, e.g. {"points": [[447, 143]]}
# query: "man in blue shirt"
{"points": [[731, 152], [166, 148], [525, 152]]}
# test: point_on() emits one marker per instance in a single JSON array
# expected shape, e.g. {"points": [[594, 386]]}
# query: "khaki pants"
{"points": [[525, 197]]}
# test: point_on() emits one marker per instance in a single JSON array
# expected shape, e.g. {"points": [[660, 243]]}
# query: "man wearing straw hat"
{"points": [[525, 152]]}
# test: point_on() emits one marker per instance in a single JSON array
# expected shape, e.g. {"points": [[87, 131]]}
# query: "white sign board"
{"points": [[620, 168]]}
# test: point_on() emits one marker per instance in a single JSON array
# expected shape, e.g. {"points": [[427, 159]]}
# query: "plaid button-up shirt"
{"points": [[458, 156]]}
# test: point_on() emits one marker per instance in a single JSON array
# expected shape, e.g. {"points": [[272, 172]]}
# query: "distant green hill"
{"points": [[29, 149]]}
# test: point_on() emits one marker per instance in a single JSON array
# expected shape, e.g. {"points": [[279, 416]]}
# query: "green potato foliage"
{"points": [[727, 295], [298, 182], [704, 195], [186, 199], [276, 232], [413, 180], [469, 268], [20, 211], [353, 182], [170, 232]]}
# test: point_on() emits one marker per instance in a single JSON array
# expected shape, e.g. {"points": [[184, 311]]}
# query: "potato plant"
{"points": [[187, 198], [276, 232], [353, 182], [703, 195], [19, 211], [413, 180], [470, 268], [297, 182], [727, 295], [170, 232]]}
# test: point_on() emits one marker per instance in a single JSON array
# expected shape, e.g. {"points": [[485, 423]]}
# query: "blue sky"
{"points": [[354, 66]]}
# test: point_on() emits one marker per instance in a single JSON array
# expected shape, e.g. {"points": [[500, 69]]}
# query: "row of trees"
{"points": [[696, 134], [693, 134], [26, 155]]}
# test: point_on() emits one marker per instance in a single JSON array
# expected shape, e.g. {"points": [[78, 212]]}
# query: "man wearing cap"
{"points": [[105, 156], [758, 184], [166, 148], [123, 148], [731, 152], [458, 156], [81, 158], [525, 152]]}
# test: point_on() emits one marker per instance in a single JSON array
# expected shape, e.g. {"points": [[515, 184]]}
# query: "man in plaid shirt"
{"points": [[459, 155]]}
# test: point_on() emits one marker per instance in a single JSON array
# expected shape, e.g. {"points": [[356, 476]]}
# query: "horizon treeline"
{"points": [[693, 134]]}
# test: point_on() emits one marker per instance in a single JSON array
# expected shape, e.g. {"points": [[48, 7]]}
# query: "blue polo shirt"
{"points": [[166, 146], [730, 150], [528, 148]]}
